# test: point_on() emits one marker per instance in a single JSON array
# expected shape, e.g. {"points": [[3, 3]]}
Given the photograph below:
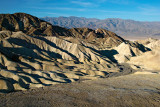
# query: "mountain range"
{"points": [[120, 26]]}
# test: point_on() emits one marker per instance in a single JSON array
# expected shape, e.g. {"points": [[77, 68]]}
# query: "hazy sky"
{"points": [[141, 10]]}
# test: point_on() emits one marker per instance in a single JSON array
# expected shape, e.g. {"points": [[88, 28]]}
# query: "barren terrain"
{"points": [[140, 90], [46, 65]]}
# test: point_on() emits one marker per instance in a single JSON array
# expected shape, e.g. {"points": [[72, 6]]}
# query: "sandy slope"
{"points": [[149, 60]]}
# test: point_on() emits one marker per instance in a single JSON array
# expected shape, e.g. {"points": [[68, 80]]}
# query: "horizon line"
{"points": [[83, 17]]}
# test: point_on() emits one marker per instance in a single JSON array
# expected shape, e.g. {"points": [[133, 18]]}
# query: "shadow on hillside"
{"points": [[27, 49], [105, 53], [109, 54], [55, 46]]}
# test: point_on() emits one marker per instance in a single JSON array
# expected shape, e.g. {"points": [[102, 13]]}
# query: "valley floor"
{"points": [[134, 38], [133, 90]]}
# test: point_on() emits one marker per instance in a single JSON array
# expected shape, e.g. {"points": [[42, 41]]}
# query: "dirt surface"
{"points": [[134, 90], [134, 38]]}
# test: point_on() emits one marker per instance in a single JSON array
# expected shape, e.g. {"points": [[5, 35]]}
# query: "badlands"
{"points": [[46, 65]]}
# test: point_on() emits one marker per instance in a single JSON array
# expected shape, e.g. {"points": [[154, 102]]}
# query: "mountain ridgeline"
{"points": [[34, 26], [119, 26], [29, 25]]}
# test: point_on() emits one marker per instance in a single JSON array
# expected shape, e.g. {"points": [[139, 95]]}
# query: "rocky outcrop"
{"points": [[99, 37], [126, 50], [30, 25], [150, 43], [148, 60]]}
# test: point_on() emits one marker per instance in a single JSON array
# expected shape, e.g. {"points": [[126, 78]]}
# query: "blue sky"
{"points": [[140, 10]]}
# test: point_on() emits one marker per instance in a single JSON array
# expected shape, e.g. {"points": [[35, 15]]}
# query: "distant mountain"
{"points": [[119, 26]]}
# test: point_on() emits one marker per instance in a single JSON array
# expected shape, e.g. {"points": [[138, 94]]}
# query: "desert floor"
{"points": [[134, 38], [141, 89]]}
